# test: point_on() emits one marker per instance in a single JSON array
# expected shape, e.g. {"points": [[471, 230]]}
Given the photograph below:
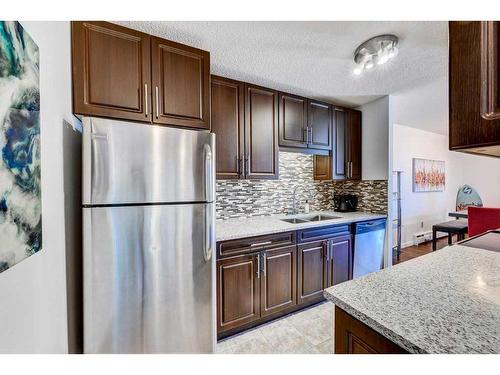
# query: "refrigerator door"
{"points": [[149, 279], [127, 163]]}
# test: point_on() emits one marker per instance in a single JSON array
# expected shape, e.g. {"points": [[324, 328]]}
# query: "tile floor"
{"points": [[305, 332]]}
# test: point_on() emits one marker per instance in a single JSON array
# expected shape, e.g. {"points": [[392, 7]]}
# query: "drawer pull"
{"points": [[261, 244]]}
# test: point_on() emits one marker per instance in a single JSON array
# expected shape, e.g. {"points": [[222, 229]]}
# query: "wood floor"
{"points": [[415, 251]]}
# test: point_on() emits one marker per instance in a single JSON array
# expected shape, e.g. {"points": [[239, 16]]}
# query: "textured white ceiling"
{"points": [[313, 59]]}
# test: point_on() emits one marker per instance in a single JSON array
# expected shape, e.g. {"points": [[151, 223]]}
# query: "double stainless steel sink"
{"points": [[308, 219]]}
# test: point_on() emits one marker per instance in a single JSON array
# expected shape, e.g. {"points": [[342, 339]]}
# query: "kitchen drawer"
{"points": [[252, 244], [321, 233]]}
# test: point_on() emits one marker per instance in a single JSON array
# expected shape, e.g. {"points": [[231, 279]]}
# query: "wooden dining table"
{"points": [[459, 214]]}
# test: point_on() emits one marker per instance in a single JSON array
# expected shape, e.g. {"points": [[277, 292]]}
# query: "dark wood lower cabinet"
{"points": [[354, 337], [238, 291], [264, 277], [278, 286], [339, 260], [311, 271]]}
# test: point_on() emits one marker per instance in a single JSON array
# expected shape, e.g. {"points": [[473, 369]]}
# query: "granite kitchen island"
{"points": [[444, 302]]}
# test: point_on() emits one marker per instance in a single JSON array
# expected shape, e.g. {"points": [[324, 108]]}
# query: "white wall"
{"points": [[482, 173], [424, 107], [418, 127], [429, 208], [33, 292], [375, 139]]}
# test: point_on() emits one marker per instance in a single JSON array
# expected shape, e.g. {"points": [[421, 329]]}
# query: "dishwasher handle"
{"points": [[369, 226]]}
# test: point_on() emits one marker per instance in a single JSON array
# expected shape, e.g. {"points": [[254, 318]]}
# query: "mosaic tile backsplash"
{"points": [[241, 198]]}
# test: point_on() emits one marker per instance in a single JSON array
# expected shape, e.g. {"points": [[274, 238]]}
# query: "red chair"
{"points": [[482, 219]]}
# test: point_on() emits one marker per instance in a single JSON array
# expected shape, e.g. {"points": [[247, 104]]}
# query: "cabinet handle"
{"points": [[146, 109], [157, 102], [258, 266], [306, 135], [311, 131], [240, 166], [264, 264], [261, 244]]}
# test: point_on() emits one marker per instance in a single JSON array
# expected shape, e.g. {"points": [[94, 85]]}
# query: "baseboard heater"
{"points": [[421, 237]]}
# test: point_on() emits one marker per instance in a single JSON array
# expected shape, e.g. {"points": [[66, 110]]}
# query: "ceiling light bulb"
{"points": [[383, 59], [358, 70], [393, 52], [375, 51]]}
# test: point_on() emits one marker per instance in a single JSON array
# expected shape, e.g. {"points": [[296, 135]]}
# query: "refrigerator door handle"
{"points": [[209, 175], [209, 232]]}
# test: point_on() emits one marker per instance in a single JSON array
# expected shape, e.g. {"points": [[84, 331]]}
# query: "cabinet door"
{"points": [[261, 133], [320, 125], [311, 271], [339, 162], [111, 71], [227, 103], [339, 262], [180, 78], [278, 285], [490, 70], [354, 337], [238, 291], [354, 144], [322, 167], [292, 121], [473, 87]]}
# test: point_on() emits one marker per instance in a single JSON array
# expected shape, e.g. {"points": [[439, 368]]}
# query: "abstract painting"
{"points": [[428, 175], [20, 191]]}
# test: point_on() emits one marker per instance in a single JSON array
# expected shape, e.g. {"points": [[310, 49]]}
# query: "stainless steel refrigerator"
{"points": [[148, 229]]}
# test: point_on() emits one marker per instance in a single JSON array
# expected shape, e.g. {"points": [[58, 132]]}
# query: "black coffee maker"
{"points": [[345, 202]]}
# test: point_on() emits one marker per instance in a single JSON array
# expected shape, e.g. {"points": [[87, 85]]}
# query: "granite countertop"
{"points": [[444, 302], [231, 229]]}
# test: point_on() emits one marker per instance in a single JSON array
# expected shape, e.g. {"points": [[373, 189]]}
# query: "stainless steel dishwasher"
{"points": [[369, 239]]}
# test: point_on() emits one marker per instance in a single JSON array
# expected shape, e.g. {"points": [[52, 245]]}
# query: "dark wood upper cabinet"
{"points": [[321, 167], [345, 161], [180, 80], [474, 123], [490, 70], [353, 144], [339, 160], [278, 286], [311, 271], [320, 125], [293, 130], [339, 260], [261, 132], [125, 74], [227, 113], [111, 71], [238, 291]]}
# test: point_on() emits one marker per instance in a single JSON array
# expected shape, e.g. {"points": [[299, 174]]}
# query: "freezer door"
{"points": [[126, 162], [149, 279]]}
